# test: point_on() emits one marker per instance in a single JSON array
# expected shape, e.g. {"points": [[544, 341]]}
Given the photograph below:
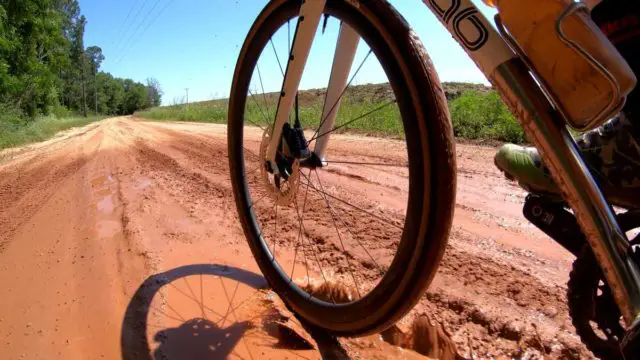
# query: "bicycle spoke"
{"points": [[364, 163], [264, 99], [277, 58], [158, 310], [233, 312], [252, 153], [194, 299], [386, 221], [260, 199], [266, 119], [193, 294], [229, 300], [315, 252], [353, 120], [253, 170], [354, 236], [295, 254], [333, 218], [300, 219], [166, 303], [341, 94], [202, 298]]}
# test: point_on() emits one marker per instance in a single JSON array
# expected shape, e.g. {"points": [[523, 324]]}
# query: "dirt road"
{"points": [[121, 239]]}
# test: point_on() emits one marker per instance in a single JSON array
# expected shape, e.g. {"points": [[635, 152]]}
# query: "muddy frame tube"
{"points": [[346, 48], [546, 128]]}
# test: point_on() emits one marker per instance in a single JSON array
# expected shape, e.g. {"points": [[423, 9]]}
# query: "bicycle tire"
{"points": [[432, 164]]}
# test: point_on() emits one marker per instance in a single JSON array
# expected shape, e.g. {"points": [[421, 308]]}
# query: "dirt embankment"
{"points": [[121, 239]]}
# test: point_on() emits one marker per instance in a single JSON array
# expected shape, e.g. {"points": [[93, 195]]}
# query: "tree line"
{"points": [[46, 69]]}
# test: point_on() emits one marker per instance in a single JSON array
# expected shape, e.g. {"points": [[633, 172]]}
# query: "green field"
{"points": [[16, 131], [476, 111]]}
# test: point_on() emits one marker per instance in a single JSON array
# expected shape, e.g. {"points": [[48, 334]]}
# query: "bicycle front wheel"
{"points": [[375, 216]]}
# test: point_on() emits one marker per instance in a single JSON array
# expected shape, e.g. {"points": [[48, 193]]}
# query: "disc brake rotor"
{"points": [[282, 189]]}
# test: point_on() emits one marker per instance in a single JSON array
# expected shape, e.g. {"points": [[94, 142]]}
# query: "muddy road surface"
{"points": [[121, 239]]}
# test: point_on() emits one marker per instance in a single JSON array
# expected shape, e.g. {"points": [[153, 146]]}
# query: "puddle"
{"points": [[204, 311], [106, 205], [98, 181]]}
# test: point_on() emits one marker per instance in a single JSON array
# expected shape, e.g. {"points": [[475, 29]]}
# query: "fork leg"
{"points": [[343, 60], [310, 14]]}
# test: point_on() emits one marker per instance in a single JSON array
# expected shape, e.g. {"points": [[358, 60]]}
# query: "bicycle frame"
{"points": [[521, 91]]}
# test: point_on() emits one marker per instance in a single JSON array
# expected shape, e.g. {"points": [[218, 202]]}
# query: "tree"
{"points": [[78, 57], [44, 65], [95, 56], [31, 45], [154, 92]]}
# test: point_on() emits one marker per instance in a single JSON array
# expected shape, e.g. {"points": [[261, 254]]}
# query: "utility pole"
{"points": [[84, 95], [95, 87], [187, 89]]}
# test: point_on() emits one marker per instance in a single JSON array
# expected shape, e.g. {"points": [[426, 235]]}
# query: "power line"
{"points": [[124, 23], [135, 18], [147, 28], [124, 48]]}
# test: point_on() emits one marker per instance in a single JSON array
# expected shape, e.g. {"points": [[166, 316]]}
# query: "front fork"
{"points": [[348, 39]]}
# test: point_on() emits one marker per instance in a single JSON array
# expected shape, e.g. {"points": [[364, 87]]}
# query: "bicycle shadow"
{"points": [[210, 322]]}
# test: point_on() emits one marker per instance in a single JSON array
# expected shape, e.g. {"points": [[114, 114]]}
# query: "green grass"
{"points": [[476, 111], [16, 131], [477, 116]]}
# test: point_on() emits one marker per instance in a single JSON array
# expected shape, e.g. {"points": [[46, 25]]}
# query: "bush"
{"points": [[10, 118], [60, 111], [483, 116]]}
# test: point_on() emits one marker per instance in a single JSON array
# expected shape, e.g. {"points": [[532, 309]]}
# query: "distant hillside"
{"points": [[477, 112], [372, 93]]}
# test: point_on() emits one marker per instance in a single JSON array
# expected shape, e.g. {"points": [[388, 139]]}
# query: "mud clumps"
{"points": [[279, 323], [331, 291], [424, 337]]}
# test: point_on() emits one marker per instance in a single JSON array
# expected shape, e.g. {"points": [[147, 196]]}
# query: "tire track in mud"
{"points": [[27, 187], [195, 183], [20, 202]]}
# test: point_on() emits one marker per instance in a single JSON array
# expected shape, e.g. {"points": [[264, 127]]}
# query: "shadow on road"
{"points": [[206, 311]]}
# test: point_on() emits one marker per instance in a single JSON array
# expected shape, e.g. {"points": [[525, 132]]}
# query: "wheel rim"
{"points": [[314, 182]]}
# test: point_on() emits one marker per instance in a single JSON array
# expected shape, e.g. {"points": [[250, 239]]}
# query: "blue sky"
{"points": [[195, 43]]}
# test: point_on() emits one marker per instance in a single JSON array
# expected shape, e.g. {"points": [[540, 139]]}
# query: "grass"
{"points": [[476, 111], [16, 131]]}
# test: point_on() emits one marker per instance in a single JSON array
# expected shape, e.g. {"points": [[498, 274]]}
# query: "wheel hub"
{"points": [[281, 185]]}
